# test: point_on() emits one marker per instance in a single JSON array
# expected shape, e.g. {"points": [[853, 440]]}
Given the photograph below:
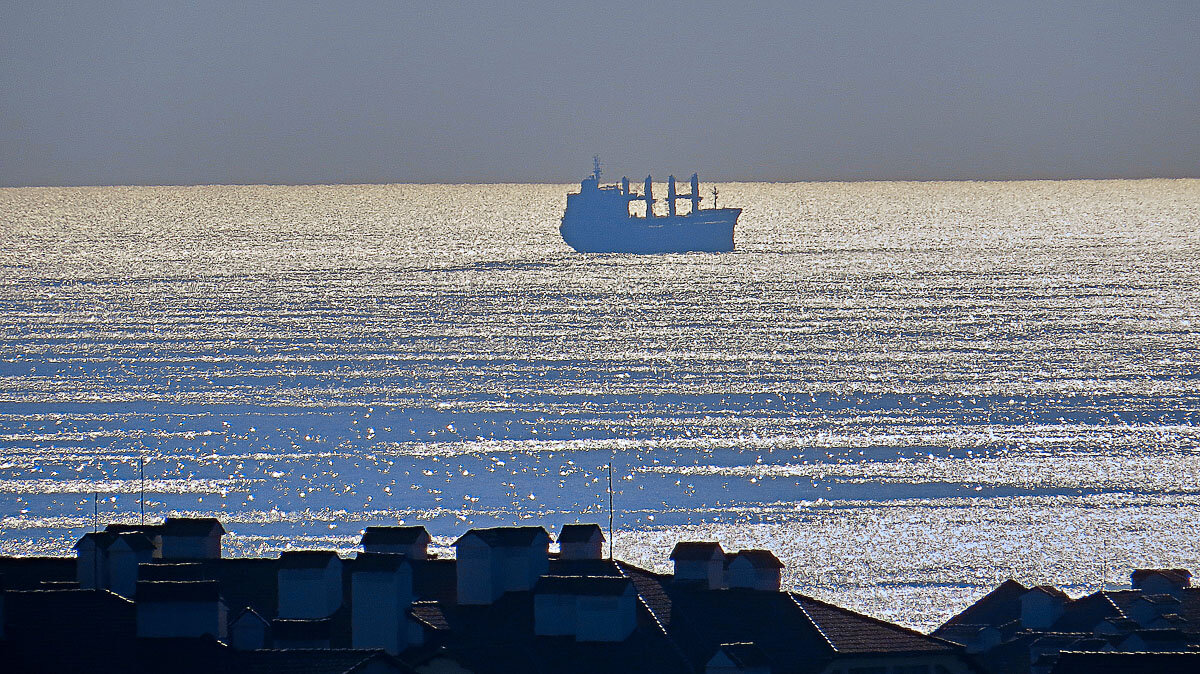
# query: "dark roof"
{"points": [[429, 613], [315, 661], [850, 632], [745, 655], [798, 634], [1160, 636], [579, 533], [192, 526], [378, 561], [177, 590], [306, 559], [28, 573], [100, 539], [1051, 591], [1159, 599], [171, 571], [507, 537], [1181, 576], [693, 551], [1000, 606], [595, 586], [1086, 613], [147, 529], [68, 631], [1123, 663], [759, 559], [135, 540], [301, 630], [394, 535], [249, 613]]}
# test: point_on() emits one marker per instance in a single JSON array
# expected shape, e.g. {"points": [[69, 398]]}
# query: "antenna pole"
{"points": [[95, 512], [610, 512], [142, 486]]}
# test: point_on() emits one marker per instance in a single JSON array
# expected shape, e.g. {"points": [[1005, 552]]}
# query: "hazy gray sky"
{"points": [[296, 92]]}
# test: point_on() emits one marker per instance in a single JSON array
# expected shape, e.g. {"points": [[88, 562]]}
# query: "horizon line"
{"points": [[1112, 178]]}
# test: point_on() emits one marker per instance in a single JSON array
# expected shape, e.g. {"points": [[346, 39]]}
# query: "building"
{"points": [[505, 603], [1015, 628]]}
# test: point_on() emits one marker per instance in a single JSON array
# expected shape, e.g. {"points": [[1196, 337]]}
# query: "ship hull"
{"points": [[709, 231]]}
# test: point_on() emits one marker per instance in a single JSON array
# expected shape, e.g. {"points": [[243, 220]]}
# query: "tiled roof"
{"points": [[191, 526], [67, 630], [306, 559], [177, 590], [250, 614], [147, 529], [507, 537], [759, 559], [850, 632], [1180, 576], [1051, 591], [745, 655], [1085, 613], [584, 567], [592, 586], [315, 661], [135, 540], [171, 571], [1124, 663], [579, 533], [100, 539], [378, 561], [1159, 599], [997, 607], [301, 630], [27, 573], [696, 551], [429, 613], [394, 535]]}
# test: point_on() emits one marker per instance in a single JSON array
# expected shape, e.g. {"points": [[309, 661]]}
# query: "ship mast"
{"points": [[596, 168]]}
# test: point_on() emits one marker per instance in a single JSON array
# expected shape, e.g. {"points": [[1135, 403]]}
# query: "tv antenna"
{"points": [[714, 196], [142, 486], [610, 512]]}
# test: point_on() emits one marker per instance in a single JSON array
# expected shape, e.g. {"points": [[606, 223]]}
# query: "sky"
{"points": [[164, 92]]}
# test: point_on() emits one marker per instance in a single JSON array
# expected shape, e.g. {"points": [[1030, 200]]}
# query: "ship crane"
{"points": [[694, 195]]}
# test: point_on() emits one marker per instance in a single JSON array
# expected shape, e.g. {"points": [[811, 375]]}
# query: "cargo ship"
{"points": [[599, 219]]}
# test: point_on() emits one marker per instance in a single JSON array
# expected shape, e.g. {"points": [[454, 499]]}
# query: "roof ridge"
{"points": [[878, 621], [1113, 604], [811, 621]]}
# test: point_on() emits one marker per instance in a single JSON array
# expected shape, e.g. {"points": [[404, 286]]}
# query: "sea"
{"points": [[908, 391]]}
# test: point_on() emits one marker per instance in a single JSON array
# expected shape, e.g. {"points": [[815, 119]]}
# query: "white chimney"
{"points": [[410, 541], [581, 541], [699, 562], [91, 561], [125, 553], [754, 570], [309, 583], [1042, 606], [191, 538], [382, 591], [493, 561]]}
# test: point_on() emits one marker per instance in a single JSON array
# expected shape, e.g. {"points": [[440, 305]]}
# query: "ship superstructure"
{"points": [[599, 219]]}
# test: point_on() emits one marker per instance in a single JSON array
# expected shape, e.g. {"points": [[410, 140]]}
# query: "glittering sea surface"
{"points": [[908, 391]]}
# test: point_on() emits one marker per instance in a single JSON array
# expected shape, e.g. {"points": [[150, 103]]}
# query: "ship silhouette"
{"points": [[598, 220]]}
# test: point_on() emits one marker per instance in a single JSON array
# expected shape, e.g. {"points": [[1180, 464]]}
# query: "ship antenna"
{"points": [[596, 167]]}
